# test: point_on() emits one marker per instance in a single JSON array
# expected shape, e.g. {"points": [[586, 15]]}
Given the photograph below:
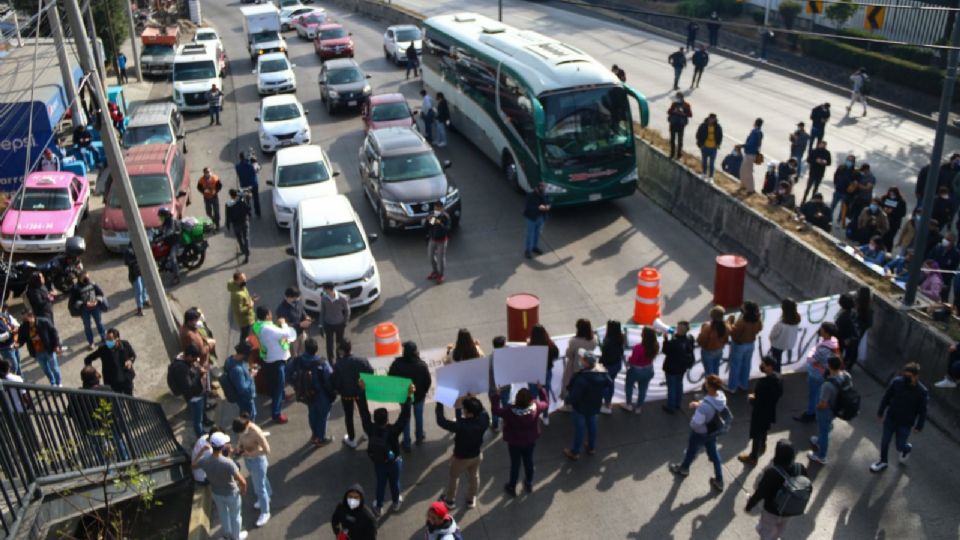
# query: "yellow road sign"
{"points": [[874, 18], [814, 7]]}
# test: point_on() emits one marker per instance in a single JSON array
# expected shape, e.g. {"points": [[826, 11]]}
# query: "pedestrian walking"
{"points": [[428, 115], [383, 447], [799, 141], [709, 137], [751, 155], [535, 209], [826, 346], [275, 340], [679, 61], [242, 304], [413, 61], [705, 427], [611, 358], [678, 348], [334, 316], [782, 469], [346, 377], [116, 358], [248, 177], [733, 161], [585, 397], [903, 409], [135, 278], [440, 524], [353, 519], [785, 332], [678, 115], [712, 339], [583, 339], [321, 397], [640, 369], [818, 159], [9, 343], [226, 483], [443, 120], [49, 162], [410, 366], [210, 185], [468, 430], [185, 378], [713, 29], [766, 39], [836, 381], [763, 409], [88, 302], [292, 310], [43, 343], [438, 234], [122, 67], [700, 59], [692, 29], [539, 337], [215, 103], [743, 341], [521, 430], [237, 219], [253, 447], [238, 380], [859, 89]]}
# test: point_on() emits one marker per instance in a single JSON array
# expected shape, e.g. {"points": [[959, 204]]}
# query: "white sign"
{"points": [[469, 376], [519, 365]]}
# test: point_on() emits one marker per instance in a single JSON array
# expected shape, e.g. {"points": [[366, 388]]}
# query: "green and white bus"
{"points": [[543, 110]]}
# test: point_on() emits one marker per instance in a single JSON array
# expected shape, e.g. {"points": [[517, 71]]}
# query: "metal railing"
{"points": [[50, 434]]}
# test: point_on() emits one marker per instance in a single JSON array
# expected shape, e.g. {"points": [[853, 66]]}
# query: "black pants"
{"points": [[333, 332], [255, 195], [813, 185], [212, 208], [348, 406], [676, 142], [777, 355], [245, 332], [714, 34], [758, 444], [697, 73], [242, 232]]}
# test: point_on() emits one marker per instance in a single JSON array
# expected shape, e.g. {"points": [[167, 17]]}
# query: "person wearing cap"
{"points": [[468, 429], [275, 340], [334, 316], [713, 403], [253, 447], [240, 374], [440, 524], [48, 161], [384, 446], [410, 366], [242, 304], [291, 310], [799, 140], [353, 519], [346, 377], [227, 485], [185, 377], [585, 395]]}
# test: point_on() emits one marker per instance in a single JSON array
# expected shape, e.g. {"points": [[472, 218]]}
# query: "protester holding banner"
{"points": [[817, 368], [584, 339], [678, 351], [499, 342], [521, 429], [611, 357], [640, 368], [783, 335], [712, 339], [383, 447], [465, 348], [468, 430], [346, 380], [743, 340], [410, 365], [540, 337], [585, 397]]}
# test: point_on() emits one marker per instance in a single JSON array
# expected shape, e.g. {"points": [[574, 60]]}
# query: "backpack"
{"points": [[377, 448], [304, 386], [721, 422], [848, 400], [794, 494], [226, 384], [174, 382]]}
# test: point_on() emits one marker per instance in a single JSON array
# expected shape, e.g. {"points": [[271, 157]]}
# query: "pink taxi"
{"points": [[45, 212]]}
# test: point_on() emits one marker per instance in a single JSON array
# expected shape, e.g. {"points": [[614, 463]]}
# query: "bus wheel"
{"points": [[510, 172]]}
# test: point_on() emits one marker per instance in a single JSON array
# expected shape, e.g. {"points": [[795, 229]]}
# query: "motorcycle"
{"points": [[61, 272], [193, 245]]}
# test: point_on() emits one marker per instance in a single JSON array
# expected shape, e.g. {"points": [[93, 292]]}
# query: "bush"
{"points": [[917, 55], [841, 12], [789, 9], [694, 8]]}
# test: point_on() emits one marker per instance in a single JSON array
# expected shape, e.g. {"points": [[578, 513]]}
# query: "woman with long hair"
{"points": [[520, 431], [540, 337], [611, 356], [713, 337], [783, 335], [584, 339], [743, 338], [640, 368], [465, 348]]}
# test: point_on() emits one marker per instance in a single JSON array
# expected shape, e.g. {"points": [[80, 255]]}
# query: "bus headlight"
{"points": [[555, 189], [632, 177]]}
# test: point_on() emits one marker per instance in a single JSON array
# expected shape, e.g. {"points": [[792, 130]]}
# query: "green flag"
{"points": [[386, 388]]}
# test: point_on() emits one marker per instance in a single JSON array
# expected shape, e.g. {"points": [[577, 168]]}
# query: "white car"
{"points": [[306, 25], [283, 122], [300, 172], [275, 74], [287, 15], [398, 38], [330, 246], [205, 34]]}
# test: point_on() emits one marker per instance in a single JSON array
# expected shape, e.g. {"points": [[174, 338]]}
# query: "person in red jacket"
{"points": [[521, 429]]}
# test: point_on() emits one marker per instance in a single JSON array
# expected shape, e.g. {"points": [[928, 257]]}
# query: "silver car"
{"points": [[343, 84]]}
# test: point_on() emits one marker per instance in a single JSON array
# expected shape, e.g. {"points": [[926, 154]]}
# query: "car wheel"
{"points": [[330, 107], [382, 222], [510, 172]]}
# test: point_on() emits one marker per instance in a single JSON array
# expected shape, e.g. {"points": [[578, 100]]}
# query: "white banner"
{"points": [[519, 364]]}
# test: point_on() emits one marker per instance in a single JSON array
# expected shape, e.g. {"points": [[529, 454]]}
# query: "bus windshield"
{"points": [[586, 127], [194, 71]]}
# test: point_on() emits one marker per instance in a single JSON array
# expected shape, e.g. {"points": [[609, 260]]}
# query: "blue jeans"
{"points": [[428, 119], [674, 391], [388, 472], [197, 408], [520, 454], [711, 361], [639, 376], [824, 426], [228, 507], [214, 114], [814, 382], [583, 422], [441, 133], [504, 401], [799, 158], [694, 443], [612, 371], [278, 377], [708, 156], [249, 407], [534, 226], [741, 355], [13, 356], [676, 76], [96, 314], [418, 418], [139, 292], [50, 366], [261, 484], [317, 414], [889, 430], [838, 197]]}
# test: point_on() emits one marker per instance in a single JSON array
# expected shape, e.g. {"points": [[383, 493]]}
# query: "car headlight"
{"points": [[367, 89], [305, 132], [334, 94], [284, 209], [452, 196], [552, 188], [392, 207], [369, 273], [309, 283], [632, 177]]}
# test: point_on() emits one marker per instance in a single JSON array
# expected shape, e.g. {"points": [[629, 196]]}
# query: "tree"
{"points": [[841, 12], [789, 9], [104, 12]]}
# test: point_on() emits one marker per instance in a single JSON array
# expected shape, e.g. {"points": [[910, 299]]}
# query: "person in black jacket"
{"points": [[117, 357], [819, 159], [43, 343], [763, 414], [87, 299], [353, 517], [383, 446], [817, 213], [472, 422], [585, 396], [903, 407], [237, 219], [185, 378], [410, 365], [39, 297], [438, 233], [847, 334], [678, 352], [772, 524], [443, 120], [346, 379], [535, 209], [700, 59]]}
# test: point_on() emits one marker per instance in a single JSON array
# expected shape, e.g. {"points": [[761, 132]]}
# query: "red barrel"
{"points": [[729, 279], [523, 311]]}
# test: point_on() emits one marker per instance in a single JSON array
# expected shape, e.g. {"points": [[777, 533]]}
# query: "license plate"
{"points": [[287, 143], [352, 103], [595, 196]]}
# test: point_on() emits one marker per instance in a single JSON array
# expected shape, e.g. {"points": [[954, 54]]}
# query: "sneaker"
{"points": [[419, 441], [320, 443], [281, 419], [626, 407], [546, 420], [947, 382], [747, 459], [606, 410], [263, 519], [537, 250], [511, 490], [242, 535], [565, 408], [591, 451], [878, 466], [676, 469], [439, 280], [397, 504], [716, 484], [570, 455], [528, 255], [433, 275], [812, 456], [472, 502], [349, 442], [905, 455], [377, 510], [637, 409]]}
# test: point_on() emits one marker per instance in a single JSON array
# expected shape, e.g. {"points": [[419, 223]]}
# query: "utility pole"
{"points": [[134, 42], [930, 189], [101, 65], [500, 10], [66, 71], [121, 181]]}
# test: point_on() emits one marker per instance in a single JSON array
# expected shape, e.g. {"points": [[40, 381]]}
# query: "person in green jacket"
{"points": [[241, 303]]}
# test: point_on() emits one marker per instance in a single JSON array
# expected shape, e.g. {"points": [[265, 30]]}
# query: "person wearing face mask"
{"points": [[873, 252], [817, 213], [871, 221], [903, 408], [732, 162], [440, 524], [895, 208], [87, 301], [353, 519], [291, 309], [818, 159], [678, 115], [931, 281], [769, 179], [116, 358], [862, 193], [843, 178], [944, 207], [947, 256]]}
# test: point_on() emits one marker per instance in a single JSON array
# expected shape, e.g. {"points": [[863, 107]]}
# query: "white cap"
{"points": [[219, 439]]}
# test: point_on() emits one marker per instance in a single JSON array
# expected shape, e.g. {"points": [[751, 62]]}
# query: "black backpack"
{"points": [[721, 422], [304, 385], [794, 494], [174, 381], [847, 406]]}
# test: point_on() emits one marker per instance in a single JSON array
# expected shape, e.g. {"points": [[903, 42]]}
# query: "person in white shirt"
{"points": [[426, 110], [783, 336], [49, 161], [275, 340]]}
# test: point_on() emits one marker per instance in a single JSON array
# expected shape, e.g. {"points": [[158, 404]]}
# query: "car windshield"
{"points": [[269, 35], [279, 113], [194, 71], [206, 36], [586, 126], [273, 66], [344, 76], [302, 174], [315, 18], [390, 111], [408, 34], [333, 33], [331, 241], [411, 167], [134, 136], [157, 50], [34, 199], [148, 189]]}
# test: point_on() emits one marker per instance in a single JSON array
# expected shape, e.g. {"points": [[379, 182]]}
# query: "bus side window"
{"points": [[477, 79], [516, 106]]}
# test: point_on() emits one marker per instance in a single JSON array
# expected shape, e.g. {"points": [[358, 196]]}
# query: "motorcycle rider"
{"points": [[170, 233]]}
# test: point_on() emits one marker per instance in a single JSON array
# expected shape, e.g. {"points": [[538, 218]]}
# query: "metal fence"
{"points": [[50, 434]]}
